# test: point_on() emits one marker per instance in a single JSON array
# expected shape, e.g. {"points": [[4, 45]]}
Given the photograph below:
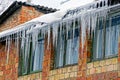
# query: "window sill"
{"points": [[110, 57], [22, 75], [32, 72], [65, 66]]}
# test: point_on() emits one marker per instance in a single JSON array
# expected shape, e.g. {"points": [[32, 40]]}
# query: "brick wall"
{"points": [[8, 63], [9, 68], [22, 15], [35, 76], [28, 13], [107, 69], [98, 70], [67, 73]]}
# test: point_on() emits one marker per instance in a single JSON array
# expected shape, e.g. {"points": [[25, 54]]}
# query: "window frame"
{"points": [[110, 16], [29, 66], [65, 47], [40, 38]]}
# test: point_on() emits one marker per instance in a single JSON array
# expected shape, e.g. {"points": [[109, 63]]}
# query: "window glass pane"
{"points": [[75, 50], [112, 34], [106, 41], [60, 52], [99, 44], [72, 48], [24, 56], [69, 52], [98, 41], [38, 56]]}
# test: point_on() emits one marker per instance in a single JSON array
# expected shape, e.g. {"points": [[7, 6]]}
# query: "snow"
{"points": [[51, 17], [48, 18], [48, 3], [86, 19], [22, 0], [74, 3], [57, 3], [17, 29], [4, 5]]}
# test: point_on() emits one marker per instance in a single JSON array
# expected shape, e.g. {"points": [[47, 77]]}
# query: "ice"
{"points": [[74, 3], [48, 36], [8, 41], [86, 17], [34, 40], [55, 33], [4, 5]]}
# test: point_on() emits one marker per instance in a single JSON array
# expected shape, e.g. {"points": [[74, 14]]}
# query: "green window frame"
{"points": [[105, 42], [28, 59], [66, 51]]}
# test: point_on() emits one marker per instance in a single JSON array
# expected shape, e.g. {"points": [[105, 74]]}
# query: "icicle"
{"points": [[8, 49], [110, 36], [18, 43], [83, 28], [15, 38], [23, 41], [48, 37], [6, 44], [55, 31], [69, 23], [94, 20], [67, 28], [27, 51], [60, 36], [88, 23], [34, 39], [74, 25], [42, 32], [106, 2], [73, 34]]}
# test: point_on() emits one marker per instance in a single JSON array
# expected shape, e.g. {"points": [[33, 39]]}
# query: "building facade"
{"points": [[83, 45], [16, 14]]}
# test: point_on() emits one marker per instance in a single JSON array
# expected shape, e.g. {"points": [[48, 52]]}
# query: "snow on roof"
{"points": [[48, 18], [51, 17], [4, 4], [17, 29], [74, 3]]}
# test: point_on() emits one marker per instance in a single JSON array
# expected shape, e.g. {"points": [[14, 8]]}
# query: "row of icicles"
{"points": [[85, 21]]}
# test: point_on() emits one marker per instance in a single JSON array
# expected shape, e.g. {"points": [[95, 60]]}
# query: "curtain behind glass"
{"points": [[112, 34], [72, 48], [60, 52], [38, 57]]}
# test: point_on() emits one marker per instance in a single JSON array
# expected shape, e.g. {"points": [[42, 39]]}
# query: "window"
{"points": [[60, 50], [30, 60], [67, 48], [24, 56], [99, 41], [106, 38], [72, 48], [37, 57]]}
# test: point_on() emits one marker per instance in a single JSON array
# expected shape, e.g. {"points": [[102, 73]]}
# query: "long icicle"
{"points": [[8, 49]]}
